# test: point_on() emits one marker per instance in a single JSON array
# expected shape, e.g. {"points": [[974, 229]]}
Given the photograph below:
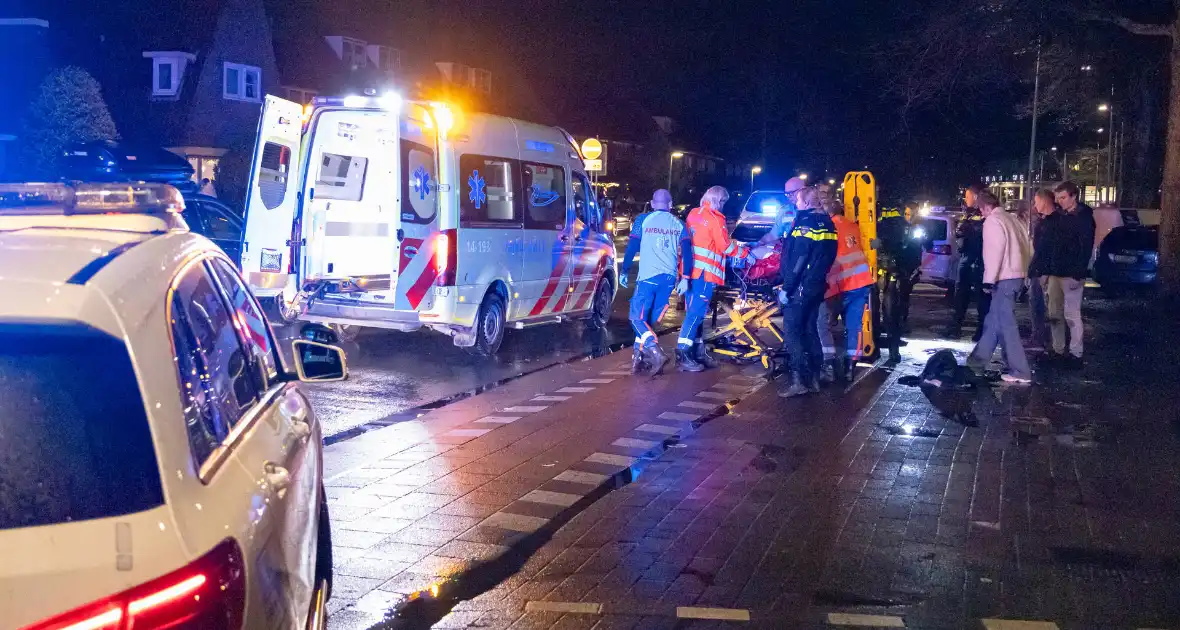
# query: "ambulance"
{"points": [[398, 214]]}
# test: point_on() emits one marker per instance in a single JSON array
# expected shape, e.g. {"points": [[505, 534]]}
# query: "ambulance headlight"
{"points": [[769, 208], [391, 101], [355, 101]]}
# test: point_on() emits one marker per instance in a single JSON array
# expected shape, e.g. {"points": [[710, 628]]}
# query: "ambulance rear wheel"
{"points": [[600, 309], [489, 326]]}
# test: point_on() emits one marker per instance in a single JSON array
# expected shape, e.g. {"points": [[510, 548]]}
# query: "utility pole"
{"points": [[1110, 148], [1032, 141]]}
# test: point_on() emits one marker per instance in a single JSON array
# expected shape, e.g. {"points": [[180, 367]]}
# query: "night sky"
{"points": [[803, 71]]}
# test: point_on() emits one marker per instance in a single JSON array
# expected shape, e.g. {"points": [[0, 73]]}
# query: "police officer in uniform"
{"points": [[970, 282], [898, 259], [808, 253]]}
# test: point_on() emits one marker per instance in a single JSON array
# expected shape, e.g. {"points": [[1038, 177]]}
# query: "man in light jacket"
{"points": [[1007, 251]]}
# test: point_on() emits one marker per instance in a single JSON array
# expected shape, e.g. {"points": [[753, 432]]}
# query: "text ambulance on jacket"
{"points": [[850, 271], [711, 244], [659, 238], [808, 252]]}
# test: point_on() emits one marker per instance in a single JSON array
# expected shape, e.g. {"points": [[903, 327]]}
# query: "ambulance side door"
{"points": [[548, 240], [420, 236], [272, 197]]}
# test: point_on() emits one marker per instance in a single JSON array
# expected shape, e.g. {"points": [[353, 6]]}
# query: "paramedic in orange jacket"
{"points": [[850, 283], [711, 245]]}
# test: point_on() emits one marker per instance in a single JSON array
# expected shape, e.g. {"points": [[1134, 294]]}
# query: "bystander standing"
{"points": [[1073, 246], [1007, 252], [1044, 221]]}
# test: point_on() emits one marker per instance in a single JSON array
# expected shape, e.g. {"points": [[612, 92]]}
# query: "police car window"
{"points": [[486, 190], [219, 225], [73, 426], [934, 229], [247, 314], [203, 423], [272, 174], [341, 177], [223, 361], [419, 183], [544, 192]]}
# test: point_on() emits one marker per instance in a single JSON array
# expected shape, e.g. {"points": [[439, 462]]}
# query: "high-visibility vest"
{"points": [[851, 269], [711, 244]]}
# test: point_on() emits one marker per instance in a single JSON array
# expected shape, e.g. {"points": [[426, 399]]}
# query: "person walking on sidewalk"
{"points": [[808, 253], [1007, 251], [1073, 245], [850, 282], [969, 286], [661, 242], [1038, 270], [711, 245]]}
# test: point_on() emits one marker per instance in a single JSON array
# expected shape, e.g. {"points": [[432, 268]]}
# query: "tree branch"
{"points": [[1131, 26]]}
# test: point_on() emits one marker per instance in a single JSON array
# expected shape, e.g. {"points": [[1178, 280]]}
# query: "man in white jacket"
{"points": [[1007, 251]]}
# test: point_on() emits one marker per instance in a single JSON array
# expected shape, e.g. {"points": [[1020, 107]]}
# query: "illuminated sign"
{"points": [[591, 149]]}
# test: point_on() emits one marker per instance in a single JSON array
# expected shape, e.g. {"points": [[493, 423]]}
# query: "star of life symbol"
{"points": [[421, 182], [477, 195]]}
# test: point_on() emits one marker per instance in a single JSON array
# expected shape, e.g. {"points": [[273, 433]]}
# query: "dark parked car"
{"points": [[1128, 256], [216, 221]]}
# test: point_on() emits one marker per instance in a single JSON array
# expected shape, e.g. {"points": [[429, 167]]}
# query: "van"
{"points": [[940, 250], [407, 215]]}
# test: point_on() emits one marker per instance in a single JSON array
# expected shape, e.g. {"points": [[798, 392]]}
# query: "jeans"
{"points": [[1064, 299], [1038, 309], [648, 305], [999, 330], [800, 318], [851, 307], [700, 295]]}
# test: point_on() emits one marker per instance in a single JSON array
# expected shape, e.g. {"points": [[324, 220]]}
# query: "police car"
{"points": [[374, 211], [159, 465]]}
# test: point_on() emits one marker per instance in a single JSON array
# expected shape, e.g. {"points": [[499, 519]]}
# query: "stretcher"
{"points": [[751, 306]]}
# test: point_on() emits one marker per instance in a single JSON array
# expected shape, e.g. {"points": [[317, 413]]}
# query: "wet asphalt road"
{"points": [[391, 372]]}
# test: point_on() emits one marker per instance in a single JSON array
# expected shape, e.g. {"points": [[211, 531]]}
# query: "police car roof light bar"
{"points": [[80, 198]]}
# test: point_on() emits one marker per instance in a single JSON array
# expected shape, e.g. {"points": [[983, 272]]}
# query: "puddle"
{"points": [[908, 430]]}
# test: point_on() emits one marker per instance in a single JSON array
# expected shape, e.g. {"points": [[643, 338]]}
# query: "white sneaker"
{"points": [[1015, 380]]}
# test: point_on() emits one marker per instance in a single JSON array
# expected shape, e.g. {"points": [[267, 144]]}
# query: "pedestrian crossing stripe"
{"points": [[871, 621]]}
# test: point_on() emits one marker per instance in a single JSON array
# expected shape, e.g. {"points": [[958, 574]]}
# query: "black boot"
{"points": [[685, 362], [827, 373], [702, 355], [795, 387], [812, 383], [656, 358], [848, 369], [637, 364]]}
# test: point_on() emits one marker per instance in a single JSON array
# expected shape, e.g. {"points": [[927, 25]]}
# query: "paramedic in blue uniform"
{"points": [[659, 238], [808, 253]]}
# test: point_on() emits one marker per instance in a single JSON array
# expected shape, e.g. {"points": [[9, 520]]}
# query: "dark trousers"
{"points": [[970, 287], [802, 336]]}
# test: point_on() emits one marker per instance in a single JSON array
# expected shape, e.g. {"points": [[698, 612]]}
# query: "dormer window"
{"points": [[168, 71], [241, 82], [354, 53], [481, 80], [385, 58]]}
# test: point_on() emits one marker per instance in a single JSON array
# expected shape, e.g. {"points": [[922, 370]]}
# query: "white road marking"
{"points": [[634, 443], [658, 428], [732, 387], [514, 522], [549, 398], [574, 608], [527, 409], [499, 419], [596, 381], [563, 499], [720, 614], [617, 373], [874, 621], [713, 395], [676, 416], [575, 390], [1017, 624], [696, 404], [577, 476], [613, 460]]}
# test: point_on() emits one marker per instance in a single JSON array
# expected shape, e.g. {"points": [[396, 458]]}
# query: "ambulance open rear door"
{"points": [[272, 199], [352, 197]]}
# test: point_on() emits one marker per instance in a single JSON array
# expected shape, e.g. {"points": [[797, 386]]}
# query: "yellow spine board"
{"points": [[860, 205]]}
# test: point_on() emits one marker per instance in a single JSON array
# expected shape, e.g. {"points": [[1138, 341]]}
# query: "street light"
{"points": [[1103, 107], [831, 182], [676, 155], [754, 171], [803, 176]]}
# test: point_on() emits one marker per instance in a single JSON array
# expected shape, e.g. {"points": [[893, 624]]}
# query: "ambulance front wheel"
{"points": [[600, 309], [489, 326]]}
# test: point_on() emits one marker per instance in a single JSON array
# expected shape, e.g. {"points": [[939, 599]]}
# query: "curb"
{"points": [[569, 493]]}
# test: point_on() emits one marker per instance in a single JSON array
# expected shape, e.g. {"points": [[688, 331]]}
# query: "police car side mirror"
{"points": [[319, 362]]}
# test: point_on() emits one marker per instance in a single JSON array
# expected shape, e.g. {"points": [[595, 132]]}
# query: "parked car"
{"points": [[940, 249], [758, 214], [1128, 256], [215, 220], [161, 466]]}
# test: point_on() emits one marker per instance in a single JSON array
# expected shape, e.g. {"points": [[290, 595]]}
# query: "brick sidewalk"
{"points": [[873, 509]]}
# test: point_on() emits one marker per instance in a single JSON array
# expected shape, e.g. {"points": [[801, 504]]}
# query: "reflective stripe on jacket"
{"points": [[711, 244], [850, 270], [808, 252]]}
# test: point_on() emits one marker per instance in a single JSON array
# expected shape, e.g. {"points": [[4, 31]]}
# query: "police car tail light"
{"points": [[207, 594], [445, 256]]}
